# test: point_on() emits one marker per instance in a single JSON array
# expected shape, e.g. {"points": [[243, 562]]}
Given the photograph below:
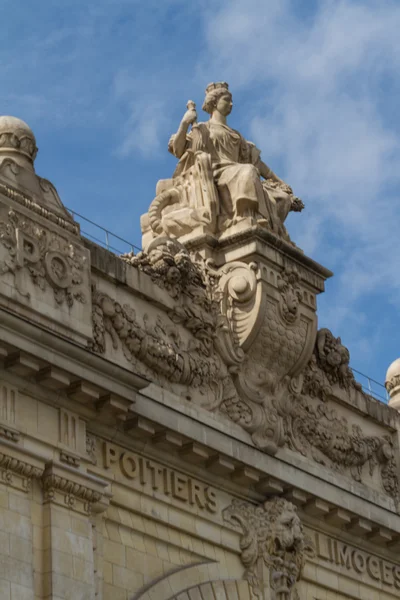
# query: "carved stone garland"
{"points": [[220, 308], [159, 347], [314, 429]]}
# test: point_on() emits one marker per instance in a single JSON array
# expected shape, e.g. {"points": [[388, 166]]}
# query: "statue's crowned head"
{"points": [[214, 91]]}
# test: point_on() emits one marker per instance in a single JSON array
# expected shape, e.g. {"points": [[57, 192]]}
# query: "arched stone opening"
{"points": [[194, 583]]}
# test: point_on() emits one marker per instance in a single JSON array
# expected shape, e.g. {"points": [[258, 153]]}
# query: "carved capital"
{"points": [[18, 472], [78, 491]]}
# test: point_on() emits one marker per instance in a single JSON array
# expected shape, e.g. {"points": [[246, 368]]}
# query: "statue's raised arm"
{"points": [[217, 183], [178, 142]]}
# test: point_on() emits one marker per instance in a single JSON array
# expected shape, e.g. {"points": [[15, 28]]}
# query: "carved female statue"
{"points": [[236, 164]]}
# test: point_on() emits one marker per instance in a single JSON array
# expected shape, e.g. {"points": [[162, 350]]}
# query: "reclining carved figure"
{"points": [[217, 182]]}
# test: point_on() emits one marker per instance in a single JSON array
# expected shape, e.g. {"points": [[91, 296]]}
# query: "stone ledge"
{"points": [[18, 467], [245, 479], [62, 364], [227, 463]]}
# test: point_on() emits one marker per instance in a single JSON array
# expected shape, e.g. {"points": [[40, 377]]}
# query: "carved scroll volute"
{"points": [[266, 340], [241, 300]]}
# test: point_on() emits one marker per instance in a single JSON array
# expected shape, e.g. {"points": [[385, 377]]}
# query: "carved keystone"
{"points": [[272, 535]]}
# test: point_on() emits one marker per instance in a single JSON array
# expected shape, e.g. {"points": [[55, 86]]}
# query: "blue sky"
{"points": [[315, 84]]}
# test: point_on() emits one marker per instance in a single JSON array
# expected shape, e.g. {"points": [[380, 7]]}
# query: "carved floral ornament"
{"points": [[49, 259], [239, 356], [291, 294], [272, 537]]}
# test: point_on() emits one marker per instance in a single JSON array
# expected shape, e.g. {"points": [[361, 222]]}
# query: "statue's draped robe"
{"points": [[234, 167]]}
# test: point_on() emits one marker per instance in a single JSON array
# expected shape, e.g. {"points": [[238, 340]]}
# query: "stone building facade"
{"points": [[173, 425]]}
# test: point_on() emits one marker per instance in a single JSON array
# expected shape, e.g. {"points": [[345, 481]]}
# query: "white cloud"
{"points": [[142, 130], [312, 82]]}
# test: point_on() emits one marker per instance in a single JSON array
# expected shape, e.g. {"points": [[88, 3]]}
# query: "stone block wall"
{"points": [[18, 554]]}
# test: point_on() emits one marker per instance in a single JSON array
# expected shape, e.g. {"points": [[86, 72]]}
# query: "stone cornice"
{"points": [[66, 355], [18, 468], [138, 282], [27, 202], [227, 443], [61, 484], [220, 436], [255, 235]]}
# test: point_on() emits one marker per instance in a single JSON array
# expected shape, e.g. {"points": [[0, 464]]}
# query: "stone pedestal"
{"points": [[267, 290]]}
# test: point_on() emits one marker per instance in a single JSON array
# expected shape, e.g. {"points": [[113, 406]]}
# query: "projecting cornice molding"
{"points": [[78, 491], [18, 469]]}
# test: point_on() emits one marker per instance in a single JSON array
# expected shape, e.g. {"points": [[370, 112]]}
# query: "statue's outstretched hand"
{"points": [[297, 204], [190, 115]]}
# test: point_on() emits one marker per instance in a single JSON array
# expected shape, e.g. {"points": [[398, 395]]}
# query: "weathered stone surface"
{"points": [[45, 269], [172, 424], [216, 186]]}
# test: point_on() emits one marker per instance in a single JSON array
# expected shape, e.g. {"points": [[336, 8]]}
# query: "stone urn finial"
{"points": [[392, 384], [17, 141]]}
